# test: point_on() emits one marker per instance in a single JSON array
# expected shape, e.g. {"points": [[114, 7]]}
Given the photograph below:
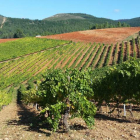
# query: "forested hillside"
{"points": [[1, 19], [134, 22], [59, 23], [66, 23]]}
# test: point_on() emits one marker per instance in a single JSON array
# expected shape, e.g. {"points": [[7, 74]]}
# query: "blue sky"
{"points": [[40, 9]]}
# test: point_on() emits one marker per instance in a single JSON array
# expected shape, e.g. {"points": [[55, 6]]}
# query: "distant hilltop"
{"points": [[56, 24]]}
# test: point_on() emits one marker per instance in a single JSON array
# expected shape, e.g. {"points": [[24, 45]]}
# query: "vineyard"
{"points": [[26, 46], [62, 78], [73, 55], [79, 93]]}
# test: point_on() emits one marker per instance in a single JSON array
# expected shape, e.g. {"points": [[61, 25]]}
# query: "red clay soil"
{"points": [[6, 40], [107, 36]]}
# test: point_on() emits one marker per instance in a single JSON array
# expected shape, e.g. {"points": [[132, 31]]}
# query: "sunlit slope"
{"points": [[74, 55], [106, 36], [26, 46]]}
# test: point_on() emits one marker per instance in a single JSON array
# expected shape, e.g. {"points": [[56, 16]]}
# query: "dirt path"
{"points": [[4, 19], [16, 122]]}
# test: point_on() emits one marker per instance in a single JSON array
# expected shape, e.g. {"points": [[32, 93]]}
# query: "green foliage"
{"points": [[30, 85], [97, 55], [99, 64], [74, 90], [109, 25], [73, 55], [115, 55], [6, 97], [119, 24], [25, 46], [1, 19], [128, 51], [108, 55], [20, 91], [134, 22], [90, 57], [121, 53], [68, 23], [119, 85], [134, 49], [61, 90], [19, 34]]}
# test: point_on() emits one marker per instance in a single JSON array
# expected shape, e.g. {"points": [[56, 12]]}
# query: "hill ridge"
{"points": [[57, 24]]}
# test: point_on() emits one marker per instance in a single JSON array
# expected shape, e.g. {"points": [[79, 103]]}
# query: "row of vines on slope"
{"points": [[74, 55], [77, 92], [21, 47]]}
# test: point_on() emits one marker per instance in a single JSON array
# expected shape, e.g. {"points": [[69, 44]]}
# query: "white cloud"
{"points": [[116, 10]]}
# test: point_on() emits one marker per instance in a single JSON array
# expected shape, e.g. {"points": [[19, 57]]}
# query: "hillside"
{"points": [[63, 17], [71, 55], [60, 23], [134, 22], [57, 24], [22, 121], [80, 17], [1, 19], [106, 36]]}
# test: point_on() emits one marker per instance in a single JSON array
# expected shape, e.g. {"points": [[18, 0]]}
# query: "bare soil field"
{"points": [[107, 36], [20, 122], [6, 40]]}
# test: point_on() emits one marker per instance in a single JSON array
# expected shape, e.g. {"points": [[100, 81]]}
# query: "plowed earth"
{"points": [[17, 123], [107, 36], [6, 40]]}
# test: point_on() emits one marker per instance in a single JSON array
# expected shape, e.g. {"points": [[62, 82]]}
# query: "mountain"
{"points": [[59, 23], [64, 16], [1, 19], [134, 22], [78, 16]]}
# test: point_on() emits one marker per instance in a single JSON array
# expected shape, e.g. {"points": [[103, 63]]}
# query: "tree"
{"points": [[19, 34], [119, 24], [106, 25]]}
